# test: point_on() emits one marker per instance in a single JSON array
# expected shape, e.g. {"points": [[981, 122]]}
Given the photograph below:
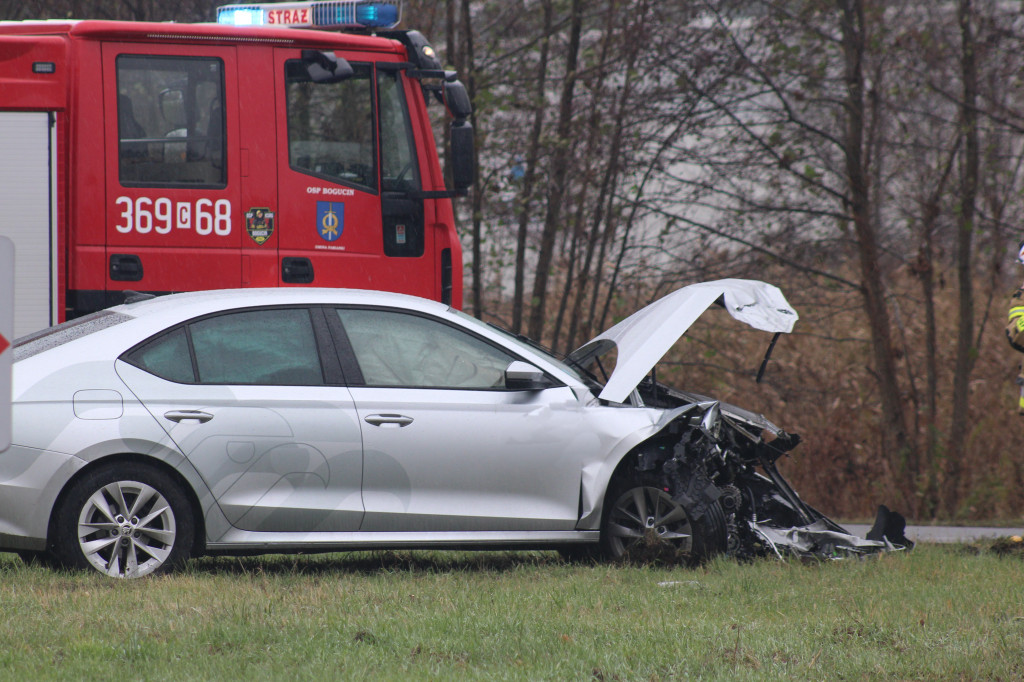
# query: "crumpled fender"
{"points": [[609, 423], [596, 477]]}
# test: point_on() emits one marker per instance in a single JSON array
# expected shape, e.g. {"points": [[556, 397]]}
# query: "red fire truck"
{"points": [[257, 151]]}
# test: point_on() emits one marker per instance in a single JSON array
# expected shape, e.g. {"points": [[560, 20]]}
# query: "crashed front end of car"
{"points": [[718, 461], [709, 461]]}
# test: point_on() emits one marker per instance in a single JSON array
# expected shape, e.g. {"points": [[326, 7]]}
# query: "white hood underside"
{"points": [[644, 337]]}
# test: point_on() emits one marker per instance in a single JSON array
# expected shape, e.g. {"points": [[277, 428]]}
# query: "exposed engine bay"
{"points": [[718, 462]]}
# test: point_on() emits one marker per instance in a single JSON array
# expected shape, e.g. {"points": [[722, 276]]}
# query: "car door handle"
{"points": [[182, 415], [385, 419]]}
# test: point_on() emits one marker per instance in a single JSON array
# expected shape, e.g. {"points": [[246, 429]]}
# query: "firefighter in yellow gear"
{"points": [[1015, 329]]}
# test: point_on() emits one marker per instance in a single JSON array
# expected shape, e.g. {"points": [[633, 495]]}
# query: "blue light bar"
{"points": [[323, 14], [377, 14], [240, 16]]}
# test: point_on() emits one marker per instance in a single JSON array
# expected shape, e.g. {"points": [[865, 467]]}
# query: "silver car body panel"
{"points": [[30, 480], [521, 463], [61, 427], [275, 457], [241, 541], [513, 464]]}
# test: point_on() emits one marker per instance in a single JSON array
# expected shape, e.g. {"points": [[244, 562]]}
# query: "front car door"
{"points": [[447, 448]]}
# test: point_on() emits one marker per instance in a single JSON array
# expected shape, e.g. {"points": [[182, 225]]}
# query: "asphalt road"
{"points": [[943, 533]]}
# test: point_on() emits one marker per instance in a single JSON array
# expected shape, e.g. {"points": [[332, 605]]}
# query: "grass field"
{"points": [[937, 613]]}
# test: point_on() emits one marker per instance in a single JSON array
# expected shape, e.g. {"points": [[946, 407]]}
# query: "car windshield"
{"points": [[573, 370]]}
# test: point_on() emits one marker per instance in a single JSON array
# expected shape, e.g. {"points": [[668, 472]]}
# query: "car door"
{"points": [[446, 447], [270, 428]]}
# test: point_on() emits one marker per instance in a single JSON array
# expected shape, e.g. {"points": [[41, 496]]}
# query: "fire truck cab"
{"points": [[258, 151]]}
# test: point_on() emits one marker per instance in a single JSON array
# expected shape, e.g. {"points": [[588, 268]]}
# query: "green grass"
{"points": [[931, 614]]}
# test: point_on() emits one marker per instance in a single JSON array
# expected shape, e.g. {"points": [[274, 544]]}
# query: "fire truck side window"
{"points": [[330, 126], [399, 169], [170, 121]]}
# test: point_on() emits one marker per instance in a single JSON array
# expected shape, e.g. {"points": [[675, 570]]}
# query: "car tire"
{"points": [[125, 520], [643, 524]]}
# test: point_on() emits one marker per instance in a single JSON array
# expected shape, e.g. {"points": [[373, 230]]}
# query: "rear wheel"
{"points": [[126, 521], [643, 523]]}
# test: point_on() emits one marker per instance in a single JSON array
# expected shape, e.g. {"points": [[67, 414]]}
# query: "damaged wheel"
{"points": [[643, 523]]}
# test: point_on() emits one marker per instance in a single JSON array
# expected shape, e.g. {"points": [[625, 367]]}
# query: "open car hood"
{"points": [[644, 337]]}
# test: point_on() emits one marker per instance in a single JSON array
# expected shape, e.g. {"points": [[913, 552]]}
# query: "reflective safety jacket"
{"points": [[1015, 321]]}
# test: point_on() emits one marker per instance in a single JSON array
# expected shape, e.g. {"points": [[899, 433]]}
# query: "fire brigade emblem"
{"points": [[330, 220], [259, 223]]}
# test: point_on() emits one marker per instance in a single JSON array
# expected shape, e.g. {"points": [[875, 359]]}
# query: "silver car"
{"points": [[288, 420]]}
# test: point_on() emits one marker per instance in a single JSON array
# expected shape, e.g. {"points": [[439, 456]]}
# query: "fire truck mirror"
{"points": [[463, 162], [326, 67], [457, 100]]}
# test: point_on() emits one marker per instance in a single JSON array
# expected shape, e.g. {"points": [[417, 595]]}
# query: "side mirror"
{"points": [[457, 99], [522, 376], [463, 155]]}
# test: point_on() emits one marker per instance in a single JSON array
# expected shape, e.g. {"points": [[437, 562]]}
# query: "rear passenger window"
{"points": [[253, 347], [167, 357], [275, 347]]}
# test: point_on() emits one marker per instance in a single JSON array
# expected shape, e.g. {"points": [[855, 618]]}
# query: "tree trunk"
{"points": [[858, 203], [965, 349], [529, 176], [468, 68], [558, 177]]}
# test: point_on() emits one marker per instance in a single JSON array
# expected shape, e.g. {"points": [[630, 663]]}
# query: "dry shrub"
{"points": [[820, 384]]}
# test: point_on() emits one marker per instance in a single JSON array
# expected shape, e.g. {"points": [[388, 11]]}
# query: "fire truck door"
{"points": [[350, 214], [173, 215]]}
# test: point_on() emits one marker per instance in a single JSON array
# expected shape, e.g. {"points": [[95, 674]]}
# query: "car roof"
{"points": [[190, 304]]}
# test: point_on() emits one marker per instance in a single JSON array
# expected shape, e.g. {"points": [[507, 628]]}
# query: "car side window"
{"points": [[399, 349], [167, 357], [274, 347], [267, 347]]}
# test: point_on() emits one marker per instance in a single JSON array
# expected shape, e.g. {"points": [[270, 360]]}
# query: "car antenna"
{"points": [[767, 355]]}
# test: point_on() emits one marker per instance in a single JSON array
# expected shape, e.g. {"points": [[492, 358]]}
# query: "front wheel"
{"points": [[643, 523], [126, 521]]}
